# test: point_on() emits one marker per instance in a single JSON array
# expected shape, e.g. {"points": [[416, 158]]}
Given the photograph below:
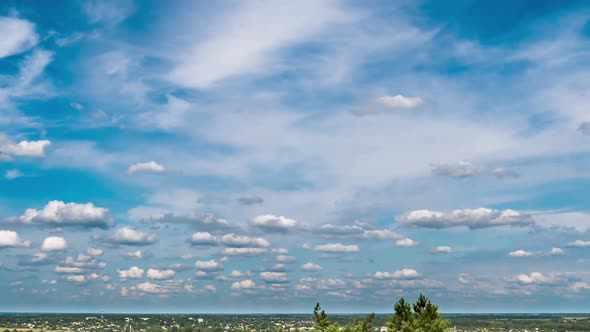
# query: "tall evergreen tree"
{"points": [[321, 319]]}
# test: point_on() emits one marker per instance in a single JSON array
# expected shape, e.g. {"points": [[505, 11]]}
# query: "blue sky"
{"points": [[260, 156]]}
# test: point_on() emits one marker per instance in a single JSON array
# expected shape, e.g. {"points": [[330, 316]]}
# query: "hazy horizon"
{"points": [[262, 156]]}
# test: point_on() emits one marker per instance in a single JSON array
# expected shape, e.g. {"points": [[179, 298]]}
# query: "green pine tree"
{"points": [[321, 319]]}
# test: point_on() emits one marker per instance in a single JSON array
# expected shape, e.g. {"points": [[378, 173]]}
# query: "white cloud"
{"points": [[39, 258], [232, 240], [160, 274], [69, 269], [274, 277], [464, 278], [556, 252], [400, 274], [523, 253], [520, 253], [203, 239], [133, 273], [138, 254], [560, 220], [465, 169], [108, 12], [54, 243], [442, 250], [405, 242], [310, 267], [382, 234], [471, 218], [150, 166], [77, 279], [95, 252], [130, 237], [244, 251], [58, 213], [273, 223], [12, 174], [245, 40], [244, 284], [23, 148], [18, 35], [533, 278], [400, 101], [579, 285], [336, 248], [11, 239], [285, 258], [238, 274], [579, 244], [148, 287], [211, 265]]}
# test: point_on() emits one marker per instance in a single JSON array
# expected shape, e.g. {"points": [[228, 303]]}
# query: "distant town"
{"points": [[263, 323]]}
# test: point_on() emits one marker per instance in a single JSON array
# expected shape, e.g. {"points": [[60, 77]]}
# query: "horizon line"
{"points": [[276, 313]]}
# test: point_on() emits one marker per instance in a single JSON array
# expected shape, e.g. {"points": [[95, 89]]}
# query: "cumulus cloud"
{"points": [[211, 265], [148, 287], [520, 253], [203, 239], [273, 223], [464, 169], [160, 274], [556, 252], [405, 242], [400, 274], [238, 274], [442, 250], [311, 267], [18, 36], [23, 148], [400, 101], [77, 279], [579, 244], [533, 278], [250, 200], [11, 239], [69, 269], [232, 240], [579, 285], [148, 167], [54, 243], [524, 253], [244, 251], [95, 252], [138, 254], [274, 277], [470, 218], [381, 234], [60, 214], [133, 273], [336, 248], [129, 237], [244, 284]]}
